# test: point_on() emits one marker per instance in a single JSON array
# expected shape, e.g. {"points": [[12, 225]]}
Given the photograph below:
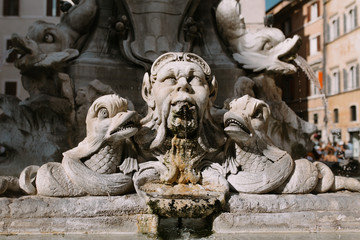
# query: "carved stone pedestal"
{"points": [[244, 213], [92, 215], [329, 212]]}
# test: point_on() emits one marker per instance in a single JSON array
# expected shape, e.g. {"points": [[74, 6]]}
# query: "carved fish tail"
{"points": [[52, 180], [346, 183], [9, 183], [27, 179]]}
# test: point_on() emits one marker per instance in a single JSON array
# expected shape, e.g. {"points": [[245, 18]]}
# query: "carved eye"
{"points": [[4, 153], [195, 80], [49, 38], [103, 113], [170, 81], [258, 114], [268, 45]]}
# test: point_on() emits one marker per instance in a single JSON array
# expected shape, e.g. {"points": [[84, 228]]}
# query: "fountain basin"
{"points": [[183, 200]]}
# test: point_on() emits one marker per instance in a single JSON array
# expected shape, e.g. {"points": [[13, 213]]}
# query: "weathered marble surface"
{"points": [[102, 164], [83, 214], [338, 212], [327, 212], [179, 133], [255, 165], [267, 54]]}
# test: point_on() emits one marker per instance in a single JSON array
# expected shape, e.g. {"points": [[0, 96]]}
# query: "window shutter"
{"points": [[328, 84], [338, 82], [345, 30], [309, 13], [345, 79], [48, 7], [318, 8], [327, 33], [57, 8], [355, 16], [357, 76], [17, 8], [338, 27], [6, 8], [318, 43], [11, 7]]}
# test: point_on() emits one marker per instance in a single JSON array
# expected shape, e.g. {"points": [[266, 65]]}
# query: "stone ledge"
{"points": [[140, 223], [279, 203], [129, 214], [327, 212], [311, 221], [91, 206]]}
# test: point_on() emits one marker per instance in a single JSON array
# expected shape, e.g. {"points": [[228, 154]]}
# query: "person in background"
{"points": [[330, 156]]}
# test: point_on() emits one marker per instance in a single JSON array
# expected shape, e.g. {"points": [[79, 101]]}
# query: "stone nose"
{"points": [[183, 85]]}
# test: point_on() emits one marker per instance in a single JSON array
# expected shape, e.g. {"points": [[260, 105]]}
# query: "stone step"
{"points": [[330, 212]]}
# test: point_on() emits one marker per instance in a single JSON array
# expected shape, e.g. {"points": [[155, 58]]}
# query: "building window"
{"points": [[315, 87], [353, 113], [287, 27], [313, 11], [314, 45], [350, 19], [351, 77], [336, 115], [334, 29], [316, 118], [11, 57], [336, 135], [11, 7], [314, 90], [334, 82], [10, 88], [52, 8]]}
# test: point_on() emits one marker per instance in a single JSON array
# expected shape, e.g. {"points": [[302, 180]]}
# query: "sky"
{"points": [[270, 3]]}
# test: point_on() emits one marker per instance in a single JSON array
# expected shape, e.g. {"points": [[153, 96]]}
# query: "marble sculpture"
{"points": [[184, 154], [179, 144], [256, 165], [102, 164]]}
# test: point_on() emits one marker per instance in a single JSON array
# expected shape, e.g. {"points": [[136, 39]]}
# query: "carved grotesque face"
{"points": [[181, 94]]}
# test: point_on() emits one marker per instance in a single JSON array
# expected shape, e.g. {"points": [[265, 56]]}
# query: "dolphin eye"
{"points": [[267, 45], [103, 113], [4, 153], [258, 114], [49, 38]]}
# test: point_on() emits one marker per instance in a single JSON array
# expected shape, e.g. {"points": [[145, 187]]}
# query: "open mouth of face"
{"points": [[182, 119], [19, 46], [232, 124], [128, 126], [292, 45], [183, 110]]}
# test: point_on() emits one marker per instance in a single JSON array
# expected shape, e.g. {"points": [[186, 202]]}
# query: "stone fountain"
{"points": [[212, 141]]}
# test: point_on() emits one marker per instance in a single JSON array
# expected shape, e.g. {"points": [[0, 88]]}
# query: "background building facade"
{"points": [[342, 70], [330, 33], [303, 18]]}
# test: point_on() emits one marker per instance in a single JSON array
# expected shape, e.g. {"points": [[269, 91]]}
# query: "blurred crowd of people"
{"points": [[331, 152]]}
